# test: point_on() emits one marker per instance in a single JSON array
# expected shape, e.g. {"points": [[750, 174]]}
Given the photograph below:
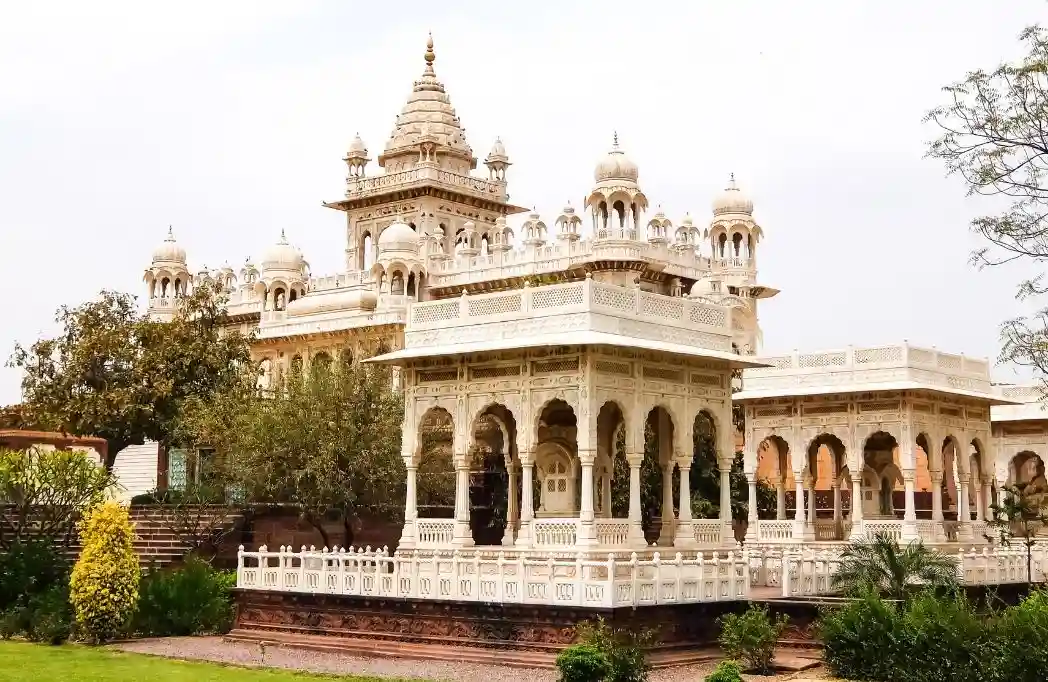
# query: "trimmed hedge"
{"points": [[935, 638]]}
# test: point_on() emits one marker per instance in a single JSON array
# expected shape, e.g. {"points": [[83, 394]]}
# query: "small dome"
{"points": [[616, 166], [732, 200], [398, 236], [356, 147], [568, 209], [332, 301], [283, 256], [169, 251], [498, 149]]}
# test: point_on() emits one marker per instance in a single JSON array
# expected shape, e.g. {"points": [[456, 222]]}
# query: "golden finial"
{"points": [[430, 56], [615, 139]]}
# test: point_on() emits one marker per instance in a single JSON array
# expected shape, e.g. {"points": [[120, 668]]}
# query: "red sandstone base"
{"points": [[507, 634]]}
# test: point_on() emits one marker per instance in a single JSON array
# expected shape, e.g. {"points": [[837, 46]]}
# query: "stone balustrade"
{"points": [[580, 581], [577, 306], [878, 365]]}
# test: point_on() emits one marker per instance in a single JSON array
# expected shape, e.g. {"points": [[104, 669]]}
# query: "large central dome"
{"points": [[428, 112], [616, 165]]}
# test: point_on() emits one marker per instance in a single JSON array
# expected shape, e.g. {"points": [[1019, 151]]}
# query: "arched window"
{"points": [[620, 210], [411, 285], [721, 243], [736, 241], [369, 251]]}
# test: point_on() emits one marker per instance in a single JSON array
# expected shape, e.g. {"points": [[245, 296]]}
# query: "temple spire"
{"points": [[430, 56]]}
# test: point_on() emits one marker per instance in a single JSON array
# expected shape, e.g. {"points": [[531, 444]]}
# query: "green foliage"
{"points": [[50, 617], [1017, 517], [104, 582], [992, 135], [28, 568], [860, 640], [726, 671], [114, 373], [752, 636], [34, 592], [624, 649], [881, 641], [1019, 640], [882, 564], [583, 663], [45, 492], [319, 443], [192, 599]]}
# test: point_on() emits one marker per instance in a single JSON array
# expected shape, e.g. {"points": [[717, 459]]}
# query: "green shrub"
{"points": [[1019, 641], [624, 649], [50, 616], [752, 636], [13, 622], [104, 582], [946, 630], [583, 663], [726, 671], [192, 599], [860, 639], [29, 568]]}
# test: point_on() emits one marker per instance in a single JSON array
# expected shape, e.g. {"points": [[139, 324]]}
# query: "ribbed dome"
{"points": [[357, 146], [398, 237], [616, 165], [282, 256], [732, 200], [429, 104], [169, 251]]}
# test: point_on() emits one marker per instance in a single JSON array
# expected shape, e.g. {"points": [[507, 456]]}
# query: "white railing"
{"points": [[707, 531], [808, 573], [774, 531], [435, 532], [613, 532], [926, 530], [892, 529], [579, 582], [867, 366], [1002, 565], [555, 532]]}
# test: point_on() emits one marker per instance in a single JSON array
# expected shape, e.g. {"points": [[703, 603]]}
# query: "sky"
{"points": [[228, 120]]}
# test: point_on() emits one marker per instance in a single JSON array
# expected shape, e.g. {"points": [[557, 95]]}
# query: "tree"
{"points": [[45, 492], [115, 374], [1018, 517], [882, 564], [327, 444], [994, 134]]}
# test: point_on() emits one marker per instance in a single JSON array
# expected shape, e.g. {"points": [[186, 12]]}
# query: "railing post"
{"points": [[240, 566], [656, 561], [679, 561], [609, 601]]}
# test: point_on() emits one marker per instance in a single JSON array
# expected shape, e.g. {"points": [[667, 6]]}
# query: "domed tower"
{"points": [[659, 228], [534, 231], [283, 275], [616, 203], [357, 157], [733, 236], [167, 278], [497, 161], [398, 269], [569, 225], [501, 237]]}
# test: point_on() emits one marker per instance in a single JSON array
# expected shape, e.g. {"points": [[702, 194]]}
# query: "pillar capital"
{"points": [[587, 457], [635, 459]]}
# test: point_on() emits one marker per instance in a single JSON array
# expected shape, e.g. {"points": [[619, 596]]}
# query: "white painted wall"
{"points": [[135, 470]]}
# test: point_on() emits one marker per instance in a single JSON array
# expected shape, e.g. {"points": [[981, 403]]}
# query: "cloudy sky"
{"points": [[228, 121]]}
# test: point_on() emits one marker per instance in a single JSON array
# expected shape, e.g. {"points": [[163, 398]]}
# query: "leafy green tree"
{"points": [[327, 444], [992, 134], [1017, 518], [115, 374], [45, 492], [882, 564]]}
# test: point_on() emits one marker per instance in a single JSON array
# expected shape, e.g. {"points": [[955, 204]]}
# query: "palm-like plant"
{"points": [[894, 571]]}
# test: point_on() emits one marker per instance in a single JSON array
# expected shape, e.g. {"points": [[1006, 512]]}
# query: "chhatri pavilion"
{"points": [[553, 369]]}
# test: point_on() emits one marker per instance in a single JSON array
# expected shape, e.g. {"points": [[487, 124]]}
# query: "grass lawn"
{"points": [[26, 662]]}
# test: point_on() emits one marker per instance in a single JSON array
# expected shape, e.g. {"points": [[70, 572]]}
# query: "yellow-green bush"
{"points": [[104, 584]]}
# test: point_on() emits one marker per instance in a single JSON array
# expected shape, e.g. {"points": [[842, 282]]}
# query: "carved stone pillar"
{"points": [[856, 506], [727, 533], [587, 529], [463, 534], [512, 513], [800, 530], [979, 492], [937, 518], [752, 519], [636, 528], [527, 493], [666, 532], [408, 535], [780, 500], [909, 519], [837, 530], [685, 532], [964, 510]]}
